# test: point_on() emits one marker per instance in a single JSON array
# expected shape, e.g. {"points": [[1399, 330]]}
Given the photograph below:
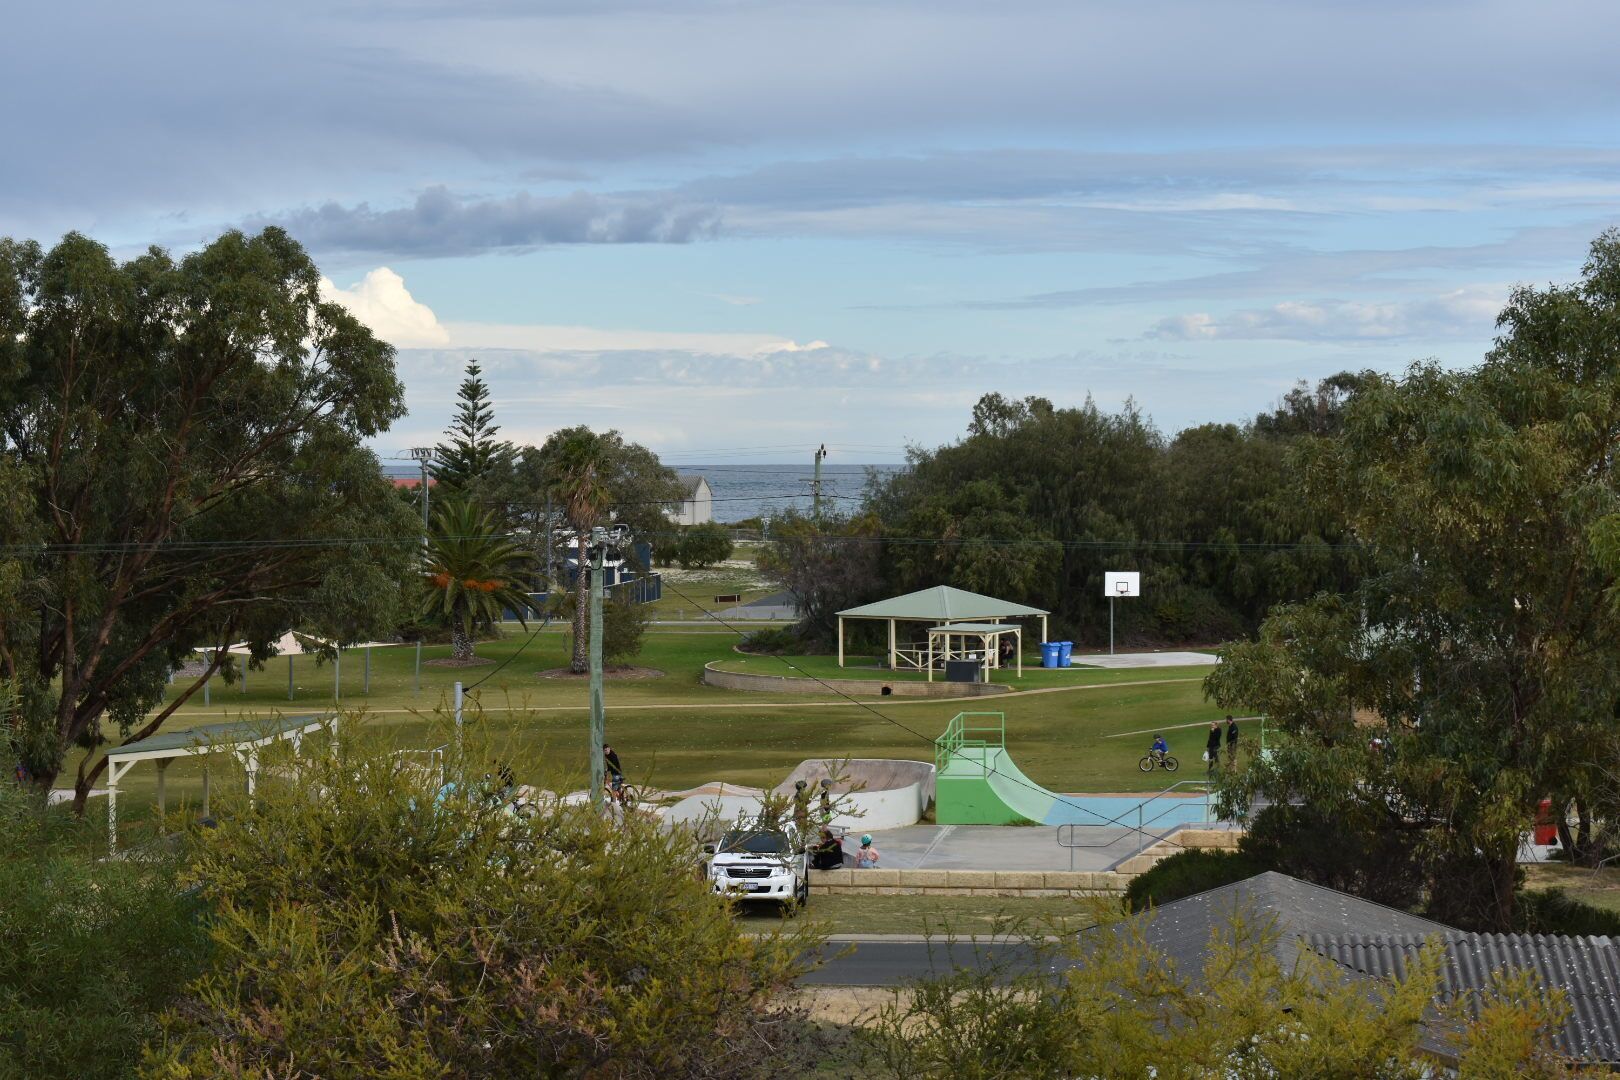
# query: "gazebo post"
{"points": [[1045, 634], [1018, 636], [112, 809], [840, 641], [891, 645], [930, 656]]}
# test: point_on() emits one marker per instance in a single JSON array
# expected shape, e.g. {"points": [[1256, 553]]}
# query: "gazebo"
{"points": [[938, 607], [942, 641], [243, 738]]}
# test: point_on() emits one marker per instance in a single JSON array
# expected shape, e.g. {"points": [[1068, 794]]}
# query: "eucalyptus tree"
{"points": [[1482, 650], [184, 438]]}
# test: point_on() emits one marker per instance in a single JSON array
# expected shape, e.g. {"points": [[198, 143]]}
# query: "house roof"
{"points": [[1182, 930], [1586, 969], [941, 604], [691, 481]]}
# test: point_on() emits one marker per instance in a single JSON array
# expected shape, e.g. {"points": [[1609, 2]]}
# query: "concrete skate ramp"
{"points": [[875, 793]]}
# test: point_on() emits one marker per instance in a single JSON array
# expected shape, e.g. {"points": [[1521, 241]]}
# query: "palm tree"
{"points": [[575, 480], [472, 572]]}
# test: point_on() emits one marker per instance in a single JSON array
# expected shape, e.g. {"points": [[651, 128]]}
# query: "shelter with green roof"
{"points": [[244, 738], [938, 607]]}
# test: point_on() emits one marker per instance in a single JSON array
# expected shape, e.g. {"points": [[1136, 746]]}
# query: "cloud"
{"points": [[440, 223], [1468, 313], [382, 302]]}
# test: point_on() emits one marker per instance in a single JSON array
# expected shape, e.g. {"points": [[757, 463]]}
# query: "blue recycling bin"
{"points": [[1051, 654], [1064, 649]]}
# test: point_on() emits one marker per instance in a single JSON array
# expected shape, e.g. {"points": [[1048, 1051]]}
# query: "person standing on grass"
{"points": [[1212, 748], [1231, 740]]}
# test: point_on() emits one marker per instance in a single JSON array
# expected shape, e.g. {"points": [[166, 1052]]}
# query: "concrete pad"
{"points": [[1146, 660], [1002, 847]]}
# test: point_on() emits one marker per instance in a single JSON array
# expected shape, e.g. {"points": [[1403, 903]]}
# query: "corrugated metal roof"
{"points": [[1586, 969], [1183, 930], [941, 604]]}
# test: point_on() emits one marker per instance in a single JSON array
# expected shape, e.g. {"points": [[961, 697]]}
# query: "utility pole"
{"points": [[815, 485], [423, 455], [598, 712]]}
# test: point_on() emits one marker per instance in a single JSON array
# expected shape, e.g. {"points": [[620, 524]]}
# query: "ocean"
{"points": [[748, 491]]}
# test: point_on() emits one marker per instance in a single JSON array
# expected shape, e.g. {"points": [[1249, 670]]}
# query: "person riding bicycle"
{"points": [[1159, 748], [615, 776]]}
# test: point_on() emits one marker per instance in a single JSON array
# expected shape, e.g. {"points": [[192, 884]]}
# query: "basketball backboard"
{"points": [[1122, 583]]}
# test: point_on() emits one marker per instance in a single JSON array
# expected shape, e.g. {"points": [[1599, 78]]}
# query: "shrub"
{"points": [[1188, 873], [771, 640], [378, 927], [90, 950], [1553, 911], [1378, 865], [624, 626]]}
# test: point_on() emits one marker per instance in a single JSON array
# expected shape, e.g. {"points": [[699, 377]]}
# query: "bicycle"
{"points": [[1150, 762]]}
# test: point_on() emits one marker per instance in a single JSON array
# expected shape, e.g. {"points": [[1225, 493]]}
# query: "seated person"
{"points": [[868, 855], [827, 853]]}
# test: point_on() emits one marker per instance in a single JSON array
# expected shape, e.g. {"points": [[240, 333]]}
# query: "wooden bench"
{"points": [[729, 598]]}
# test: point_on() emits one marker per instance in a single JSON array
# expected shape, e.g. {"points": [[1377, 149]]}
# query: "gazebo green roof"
{"points": [[941, 604], [221, 736]]}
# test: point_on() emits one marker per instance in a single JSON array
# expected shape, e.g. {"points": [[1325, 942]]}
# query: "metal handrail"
{"points": [[1065, 838]]}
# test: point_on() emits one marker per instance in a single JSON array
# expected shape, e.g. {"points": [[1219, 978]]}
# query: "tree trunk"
{"points": [[582, 607], [461, 642], [1504, 871]]}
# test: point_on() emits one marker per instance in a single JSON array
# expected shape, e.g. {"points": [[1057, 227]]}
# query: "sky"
{"points": [[736, 230]]}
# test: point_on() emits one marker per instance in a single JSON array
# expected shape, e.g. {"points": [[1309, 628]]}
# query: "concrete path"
{"points": [[1147, 660]]}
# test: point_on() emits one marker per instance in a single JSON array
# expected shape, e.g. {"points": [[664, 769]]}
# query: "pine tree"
{"points": [[473, 463]]}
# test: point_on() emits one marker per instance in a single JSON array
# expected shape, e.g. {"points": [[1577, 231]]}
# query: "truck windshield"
{"points": [[757, 843]]}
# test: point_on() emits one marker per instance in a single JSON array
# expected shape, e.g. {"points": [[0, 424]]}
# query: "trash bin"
{"points": [[1064, 649], [962, 670], [1051, 654]]}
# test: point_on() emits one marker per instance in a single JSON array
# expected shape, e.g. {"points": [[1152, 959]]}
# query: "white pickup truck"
{"points": [[761, 864]]}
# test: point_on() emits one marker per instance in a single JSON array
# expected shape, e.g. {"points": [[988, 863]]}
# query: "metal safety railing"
{"points": [[1067, 837], [961, 732]]}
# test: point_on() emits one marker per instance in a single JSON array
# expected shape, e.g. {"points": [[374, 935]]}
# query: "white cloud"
{"points": [[382, 302], [1468, 313]]}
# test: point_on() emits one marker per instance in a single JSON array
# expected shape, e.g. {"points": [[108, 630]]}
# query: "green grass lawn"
{"points": [[673, 732]]}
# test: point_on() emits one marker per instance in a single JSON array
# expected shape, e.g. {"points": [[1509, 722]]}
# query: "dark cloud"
{"points": [[439, 223]]}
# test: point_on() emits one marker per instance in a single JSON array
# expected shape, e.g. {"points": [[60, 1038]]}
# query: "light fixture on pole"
{"points": [[1118, 583]]}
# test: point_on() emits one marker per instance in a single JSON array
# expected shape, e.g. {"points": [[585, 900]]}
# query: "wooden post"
{"points": [[840, 641], [891, 645], [930, 657]]}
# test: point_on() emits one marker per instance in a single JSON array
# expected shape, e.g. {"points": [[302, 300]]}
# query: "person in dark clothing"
{"points": [[828, 852], [1212, 748], [611, 760], [615, 776], [1231, 740]]}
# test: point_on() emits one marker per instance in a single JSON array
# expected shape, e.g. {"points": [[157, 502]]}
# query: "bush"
{"points": [[90, 950], [703, 545], [1188, 873], [1377, 865], [378, 927], [624, 626], [771, 641], [1553, 911]]}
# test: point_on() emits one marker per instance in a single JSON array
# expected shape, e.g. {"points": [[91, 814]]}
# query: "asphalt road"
{"points": [[894, 962]]}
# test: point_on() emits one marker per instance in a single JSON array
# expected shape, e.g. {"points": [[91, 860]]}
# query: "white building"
{"points": [[698, 507]]}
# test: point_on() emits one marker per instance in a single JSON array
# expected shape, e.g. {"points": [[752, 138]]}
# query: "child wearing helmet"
{"points": [[867, 856]]}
